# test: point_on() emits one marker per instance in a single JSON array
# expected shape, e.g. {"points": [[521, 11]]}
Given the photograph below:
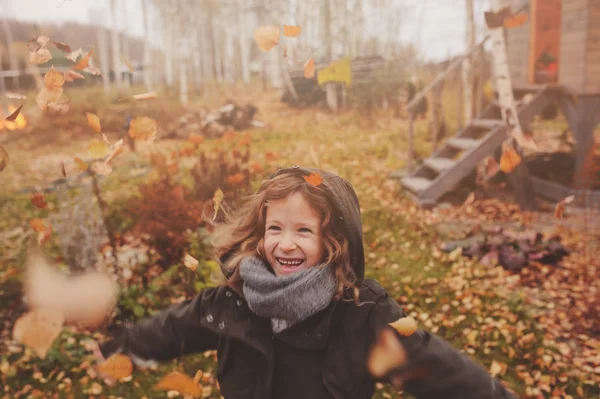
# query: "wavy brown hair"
{"points": [[243, 233]]}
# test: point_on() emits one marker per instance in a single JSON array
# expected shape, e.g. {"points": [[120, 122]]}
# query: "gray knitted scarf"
{"points": [[286, 300]]}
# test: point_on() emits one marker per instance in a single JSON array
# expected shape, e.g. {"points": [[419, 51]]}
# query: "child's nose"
{"points": [[287, 243]]}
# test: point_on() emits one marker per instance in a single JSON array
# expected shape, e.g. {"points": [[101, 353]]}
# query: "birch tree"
{"points": [[147, 58], [10, 47], [467, 78], [115, 44]]}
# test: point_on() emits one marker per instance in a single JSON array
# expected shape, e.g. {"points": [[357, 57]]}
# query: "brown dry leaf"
{"points": [[36, 44], [267, 36], [14, 115], [98, 149], [405, 325], [190, 262], [144, 129], [62, 169], [92, 70], [497, 368], [560, 207], [72, 56], [117, 366], [510, 159], [127, 63], [3, 158], [314, 179], [40, 57], [217, 198], [309, 68], [15, 96], [62, 46], [291, 30], [101, 168], [54, 79], [386, 355], [177, 381], [195, 139], [84, 62], [38, 225], [38, 329], [94, 121], [39, 200], [71, 76], [46, 97], [83, 166], [235, 180], [116, 150], [145, 96]]}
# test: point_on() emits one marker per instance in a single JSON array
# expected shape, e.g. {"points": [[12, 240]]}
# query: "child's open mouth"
{"points": [[290, 264]]}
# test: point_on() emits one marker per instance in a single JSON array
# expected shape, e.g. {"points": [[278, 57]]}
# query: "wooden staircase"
{"points": [[461, 154]]}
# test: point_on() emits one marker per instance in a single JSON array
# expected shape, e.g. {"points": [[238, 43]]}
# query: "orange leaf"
{"points": [[291, 30], [143, 128], [38, 329], [53, 79], [177, 381], [515, 21], [37, 225], [84, 62], [271, 156], [127, 63], [236, 179], [93, 121], [39, 200], [83, 166], [314, 179], [118, 366], [71, 76], [62, 46], [62, 169], [560, 207], [386, 354], [256, 167], [266, 36], [15, 114], [510, 159], [196, 139], [405, 325], [309, 68]]}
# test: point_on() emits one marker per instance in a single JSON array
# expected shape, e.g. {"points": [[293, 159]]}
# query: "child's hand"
{"points": [[387, 354]]}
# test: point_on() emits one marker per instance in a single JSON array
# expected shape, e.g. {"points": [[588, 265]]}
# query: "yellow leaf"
{"points": [[54, 79], [71, 76], [386, 354], [46, 97], [118, 366], [266, 36], [217, 198], [309, 68], [127, 63], [98, 149], [38, 329], [145, 96], [83, 166], [177, 381], [94, 121], [560, 207], [291, 30], [144, 129], [497, 368], [405, 325], [510, 159], [190, 262], [40, 57]]}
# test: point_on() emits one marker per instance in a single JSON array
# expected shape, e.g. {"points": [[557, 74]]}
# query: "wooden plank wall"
{"points": [[592, 73], [573, 44]]}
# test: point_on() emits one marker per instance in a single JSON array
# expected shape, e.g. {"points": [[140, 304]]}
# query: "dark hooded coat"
{"points": [[323, 357]]}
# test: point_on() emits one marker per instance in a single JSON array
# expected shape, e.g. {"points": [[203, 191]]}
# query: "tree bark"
{"points": [[115, 45], [147, 60], [467, 78], [12, 55]]}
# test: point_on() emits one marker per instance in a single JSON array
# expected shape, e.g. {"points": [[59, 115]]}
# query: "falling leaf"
{"points": [[40, 57], [54, 79], [46, 97], [314, 179], [38, 329], [217, 198], [405, 325], [291, 30], [143, 128], [39, 200], [106, 140], [117, 149], [92, 70], [127, 63], [15, 96], [195, 139], [560, 207], [62, 169], [58, 108], [62, 46], [83, 166], [190, 262], [98, 149], [72, 56], [177, 381], [37, 225], [94, 122], [510, 159], [309, 68], [386, 354], [235, 180], [266, 36], [515, 21], [117, 366], [145, 96], [102, 168], [14, 115], [71, 76], [36, 44], [84, 62], [3, 158]]}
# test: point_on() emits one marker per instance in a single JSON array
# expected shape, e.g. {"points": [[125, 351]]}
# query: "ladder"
{"points": [[461, 154]]}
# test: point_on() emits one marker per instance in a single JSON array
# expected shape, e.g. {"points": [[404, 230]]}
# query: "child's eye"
{"points": [[274, 228], [305, 230]]}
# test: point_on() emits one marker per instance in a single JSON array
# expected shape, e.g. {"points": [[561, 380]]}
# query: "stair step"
{"points": [[416, 184], [486, 123], [440, 164], [462, 143]]}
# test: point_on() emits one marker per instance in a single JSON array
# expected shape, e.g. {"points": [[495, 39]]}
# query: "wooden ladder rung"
{"points": [[416, 184], [462, 143], [486, 123], [440, 164]]}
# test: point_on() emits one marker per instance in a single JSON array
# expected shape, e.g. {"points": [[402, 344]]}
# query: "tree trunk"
{"points": [[169, 72], [331, 87], [183, 82], [115, 45], [147, 61], [12, 55], [243, 34], [467, 75], [96, 14], [125, 44]]}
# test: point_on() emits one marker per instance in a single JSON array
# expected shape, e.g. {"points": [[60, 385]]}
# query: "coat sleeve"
{"points": [[437, 369], [173, 332]]}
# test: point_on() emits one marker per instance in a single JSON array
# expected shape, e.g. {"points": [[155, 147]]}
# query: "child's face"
{"points": [[293, 239]]}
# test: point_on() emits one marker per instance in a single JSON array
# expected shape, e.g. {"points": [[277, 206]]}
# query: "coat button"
{"points": [[239, 302], [319, 337], [209, 318], [228, 294], [221, 325]]}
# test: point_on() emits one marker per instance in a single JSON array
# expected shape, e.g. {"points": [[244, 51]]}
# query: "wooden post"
{"points": [[411, 126], [481, 81], [459, 102]]}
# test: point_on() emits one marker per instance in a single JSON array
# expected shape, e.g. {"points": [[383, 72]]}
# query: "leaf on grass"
{"points": [[98, 149], [127, 63], [15, 96], [40, 57], [83, 166], [117, 366], [94, 121], [14, 115], [561, 206], [235, 180], [314, 179], [195, 139], [291, 30], [62, 46], [497, 368], [71, 76], [144, 129], [39, 200], [309, 68], [37, 225], [3, 158], [386, 354], [217, 198], [38, 329], [145, 96], [177, 381], [101, 168], [405, 325], [190, 262], [267, 36], [510, 159], [54, 79]]}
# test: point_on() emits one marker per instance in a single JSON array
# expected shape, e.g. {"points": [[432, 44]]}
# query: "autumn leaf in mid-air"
{"points": [[314, 179], [127, 63], [561, 206], [405, 325], [267, 36], [309, 68], [177, 381], [71, 76], [83, 166], [386, 354], [217, 198], [117, 366], [46, 97], [291, 30], [62, 46], [510, 159], [39, 200], [14, 115], [3, 158], [94, 122], [98, 149], [102, 168], [40, 57], [38, 329], [15, 96], [190, 262], [73, 55], [145, 96], [84, 62], [143, 129], [54, 79]]}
